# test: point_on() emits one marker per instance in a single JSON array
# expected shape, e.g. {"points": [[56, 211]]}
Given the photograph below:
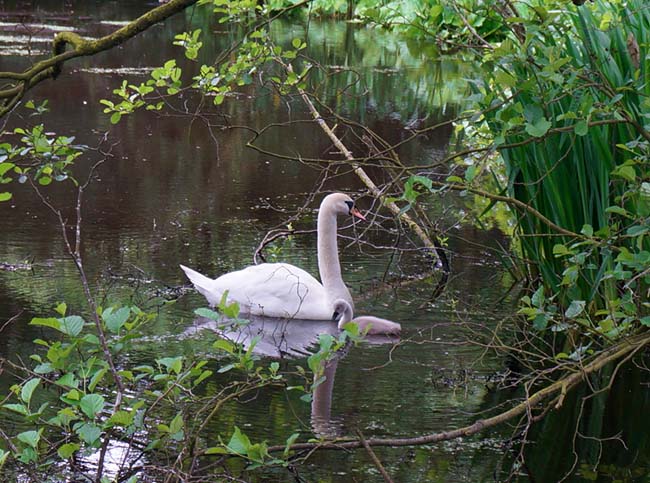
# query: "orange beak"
{"points": [[357, 213]]}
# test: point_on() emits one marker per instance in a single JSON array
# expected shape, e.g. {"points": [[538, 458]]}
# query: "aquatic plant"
{"points": [[569, 123]]}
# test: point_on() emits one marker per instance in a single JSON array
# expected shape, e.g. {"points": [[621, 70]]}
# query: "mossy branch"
{"points": [[20, 82]]}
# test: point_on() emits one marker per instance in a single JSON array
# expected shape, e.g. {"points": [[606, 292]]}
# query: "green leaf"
{"points": [[560, 250], [176, 427], [121, 418], [208, 313], [17, 408], [173, 364], [97, 377], [115, 320], [258, 452], [68, 380], [505, 79], [637, 230], [296, 43], [72, 325], [28, 389], [538, 297], [4, 167], [575, 308], [538, 128], [61, 309], [46, 322], [470, 173], [587, 230], [225, 345], [581, 128], [540, 322], [617, 210], [290, 440], [67, 450], [204, 375], [30, 438], [5, 196], [89, 433], [216, 450], [115, 117], [239, 443], [91, 405], [626, 172]]}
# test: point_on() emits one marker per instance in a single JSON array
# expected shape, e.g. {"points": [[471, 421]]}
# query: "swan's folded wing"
{"points": [[276, 290]]}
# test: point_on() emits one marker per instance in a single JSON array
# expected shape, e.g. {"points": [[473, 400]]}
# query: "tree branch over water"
{"points": [[21, 82], [618, 353]]}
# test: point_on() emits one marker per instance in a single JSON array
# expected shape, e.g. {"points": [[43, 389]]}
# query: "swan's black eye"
{"points": [[350, 205], [336, 315]]}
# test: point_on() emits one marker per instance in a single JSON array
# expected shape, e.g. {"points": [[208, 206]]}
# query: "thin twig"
{"points": [[374, 458]]}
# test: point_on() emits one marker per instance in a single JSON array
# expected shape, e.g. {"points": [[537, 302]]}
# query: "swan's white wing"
{"points": [[269, 289]]}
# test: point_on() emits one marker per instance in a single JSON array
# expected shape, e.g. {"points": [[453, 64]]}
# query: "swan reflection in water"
{"points": [[278, 338]]}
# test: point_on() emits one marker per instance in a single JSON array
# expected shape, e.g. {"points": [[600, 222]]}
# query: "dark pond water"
{"points": [[175, 191]]}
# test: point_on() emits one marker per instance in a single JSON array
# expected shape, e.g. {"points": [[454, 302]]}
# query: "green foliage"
{"points": [[255, 52], [190, 42], [71, 400], [41, 155], [568, 110], [442, 20]]}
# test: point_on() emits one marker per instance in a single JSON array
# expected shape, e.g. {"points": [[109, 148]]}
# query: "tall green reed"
{"points": [[571, 130]]}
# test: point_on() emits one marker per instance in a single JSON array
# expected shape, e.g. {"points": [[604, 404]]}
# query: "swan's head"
{"points": [[340, 204], [342, 312]]}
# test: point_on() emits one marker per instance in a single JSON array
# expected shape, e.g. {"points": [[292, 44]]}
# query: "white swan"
{"points": [[375, 324], [281, 289]]}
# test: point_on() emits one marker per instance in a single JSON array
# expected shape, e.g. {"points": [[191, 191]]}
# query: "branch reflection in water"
{"points": [[278, 338]]}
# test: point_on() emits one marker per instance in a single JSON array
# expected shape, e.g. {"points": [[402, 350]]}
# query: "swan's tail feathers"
{"points": [[203, 285]]}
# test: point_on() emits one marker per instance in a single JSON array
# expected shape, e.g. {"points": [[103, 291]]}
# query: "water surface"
{"points": [[174, 190]]}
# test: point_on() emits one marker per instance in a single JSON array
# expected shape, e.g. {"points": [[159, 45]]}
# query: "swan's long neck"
{"points": [[328, 257]]}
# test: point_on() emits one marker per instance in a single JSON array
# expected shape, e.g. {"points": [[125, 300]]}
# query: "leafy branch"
{"points": [[19, 83]]}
